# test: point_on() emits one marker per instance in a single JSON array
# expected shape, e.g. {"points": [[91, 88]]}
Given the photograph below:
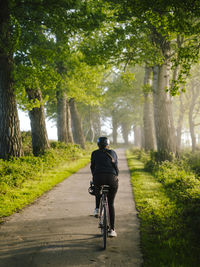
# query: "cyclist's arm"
{"points": [[92, 165]]}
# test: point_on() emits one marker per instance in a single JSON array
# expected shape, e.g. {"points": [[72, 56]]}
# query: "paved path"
{"points": [[58, 229]]}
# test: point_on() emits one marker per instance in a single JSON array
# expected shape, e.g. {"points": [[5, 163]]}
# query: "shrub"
{"points": [[176, 179], [183, 188], [17, 170], [193, 161], [181, 183], [141, 154], [27, 143], [169, 208]]}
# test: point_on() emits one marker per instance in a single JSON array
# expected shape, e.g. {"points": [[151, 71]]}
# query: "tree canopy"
{"points": [[56, 51]]}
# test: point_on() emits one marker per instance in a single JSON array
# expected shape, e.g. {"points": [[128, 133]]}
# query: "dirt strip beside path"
{"points": [[59, 229]]}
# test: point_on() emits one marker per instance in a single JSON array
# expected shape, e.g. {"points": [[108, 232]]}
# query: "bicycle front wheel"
{"points": [[105, 229]]}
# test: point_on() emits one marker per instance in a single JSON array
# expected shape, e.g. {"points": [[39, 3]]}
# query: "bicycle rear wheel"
{"points": [[105, 229]]}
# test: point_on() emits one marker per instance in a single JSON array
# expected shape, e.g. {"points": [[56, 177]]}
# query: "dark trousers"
{"points": [[112, 181]]}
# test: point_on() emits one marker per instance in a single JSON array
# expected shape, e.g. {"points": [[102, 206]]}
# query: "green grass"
{"points": [[165, 237], [18, 197]]}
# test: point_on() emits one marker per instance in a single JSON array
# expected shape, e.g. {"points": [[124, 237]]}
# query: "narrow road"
{"points": [[59, 230]]}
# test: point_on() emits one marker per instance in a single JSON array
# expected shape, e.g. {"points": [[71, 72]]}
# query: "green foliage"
{"points": [[187, 161], [83, 82], [147, 88], [142, 32], [47, 57], [140, 154], [169, 209], [27, 142], [156, 157], [187, 56], [18, 170], [24, 179], [193, 161], [181, 184], [125, 111]]}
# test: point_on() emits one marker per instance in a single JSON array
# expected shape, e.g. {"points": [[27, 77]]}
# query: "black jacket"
{"points": [[102, 163]]}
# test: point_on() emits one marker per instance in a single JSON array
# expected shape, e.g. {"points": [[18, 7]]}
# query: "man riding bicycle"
{"points": [[104, 168]]}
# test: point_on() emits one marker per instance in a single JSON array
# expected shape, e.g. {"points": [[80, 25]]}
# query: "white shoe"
{"points": [[112, 233], [96, 212]]}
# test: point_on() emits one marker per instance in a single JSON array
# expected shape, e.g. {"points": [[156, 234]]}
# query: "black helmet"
{"points": [[102, 142]]}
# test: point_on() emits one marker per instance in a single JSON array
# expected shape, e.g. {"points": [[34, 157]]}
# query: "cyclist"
{"points": [[104, 168]]}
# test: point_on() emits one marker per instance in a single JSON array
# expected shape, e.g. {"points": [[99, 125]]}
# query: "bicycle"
{"points": [[104, 217]]}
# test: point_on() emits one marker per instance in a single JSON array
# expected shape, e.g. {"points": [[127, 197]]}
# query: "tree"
{"points": [[69, 127], [194, 105], [182, 109], [62, 117], [149, 136], [10, 137], [19, 18], [195, 94], [33, 75], [91, 121], [124, 112], [186, 107], [77, 125], [142, 32], [39, 136]]}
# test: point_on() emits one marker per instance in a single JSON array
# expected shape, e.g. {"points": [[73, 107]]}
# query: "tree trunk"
{"points": [[165, 133], [142, 136], [179, 125], [148, 112], [61, 117], [137, 136], [69, 127], [191, 122], [78, 131], [181, 110], [98, 124], [114, 129], [40, 141], [125, 133], [90, 131], [10, 136]]}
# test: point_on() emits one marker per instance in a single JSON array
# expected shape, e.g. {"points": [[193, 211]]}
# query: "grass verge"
{"points": [[18, 197], [164, 239]]}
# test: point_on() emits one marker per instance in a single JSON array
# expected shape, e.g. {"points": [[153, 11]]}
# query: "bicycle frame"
{"points": [[104, 217]]}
